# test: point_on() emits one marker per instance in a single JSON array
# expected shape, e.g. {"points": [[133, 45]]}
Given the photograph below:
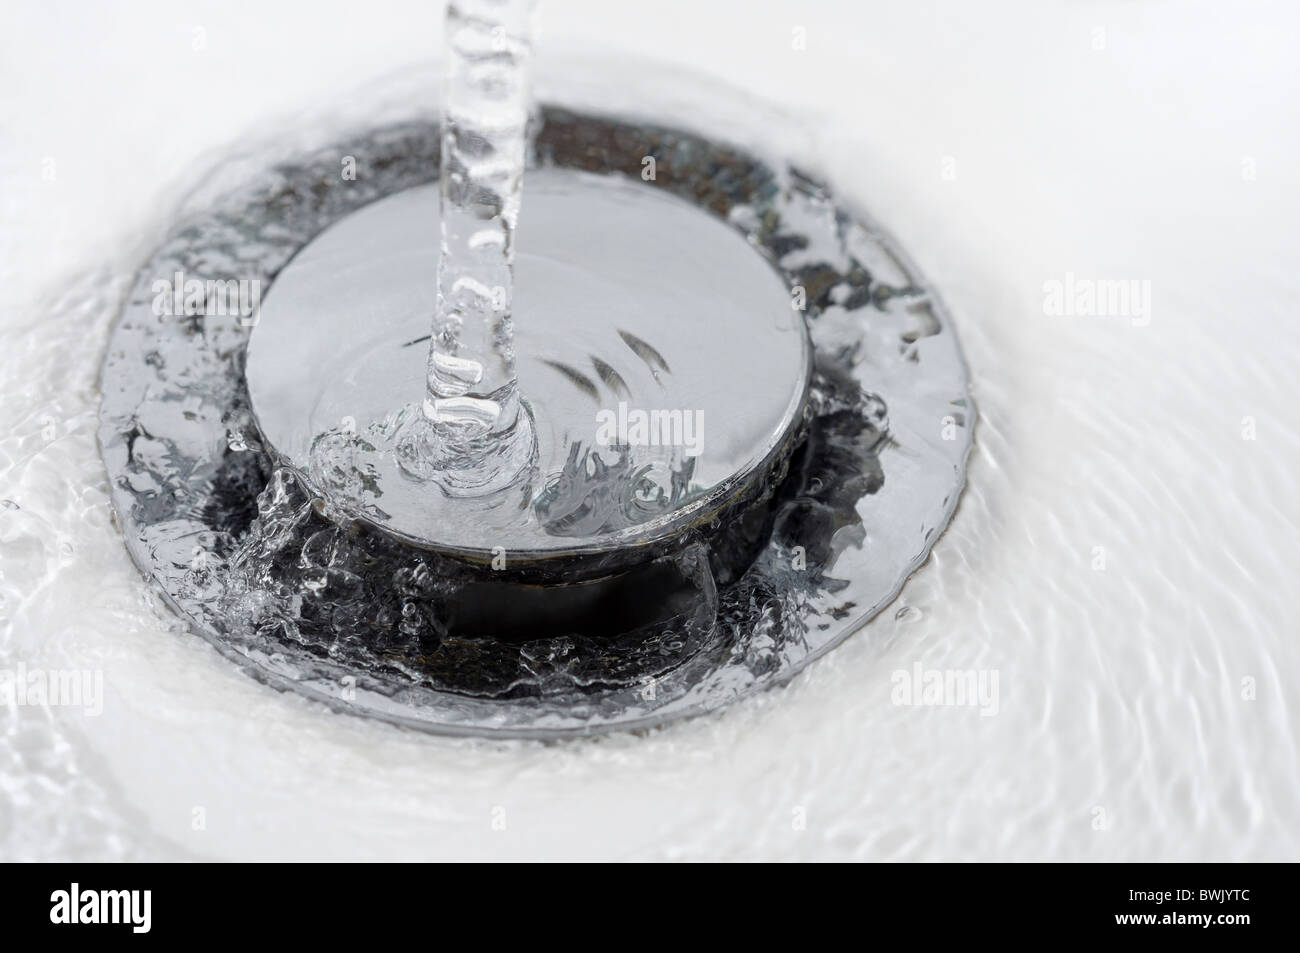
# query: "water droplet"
{"points": [[909, 614]]}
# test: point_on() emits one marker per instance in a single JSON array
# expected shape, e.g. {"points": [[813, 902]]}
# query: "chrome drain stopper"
{"points": [[662, 366]]}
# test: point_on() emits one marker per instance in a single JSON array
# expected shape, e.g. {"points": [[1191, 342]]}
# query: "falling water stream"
{"points": [[472, 437]]}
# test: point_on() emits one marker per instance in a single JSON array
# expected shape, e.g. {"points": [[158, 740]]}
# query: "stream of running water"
{"points": [[473, 437]]}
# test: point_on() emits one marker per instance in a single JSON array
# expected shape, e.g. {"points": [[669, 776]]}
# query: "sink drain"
{"points": [[337, 607]]}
